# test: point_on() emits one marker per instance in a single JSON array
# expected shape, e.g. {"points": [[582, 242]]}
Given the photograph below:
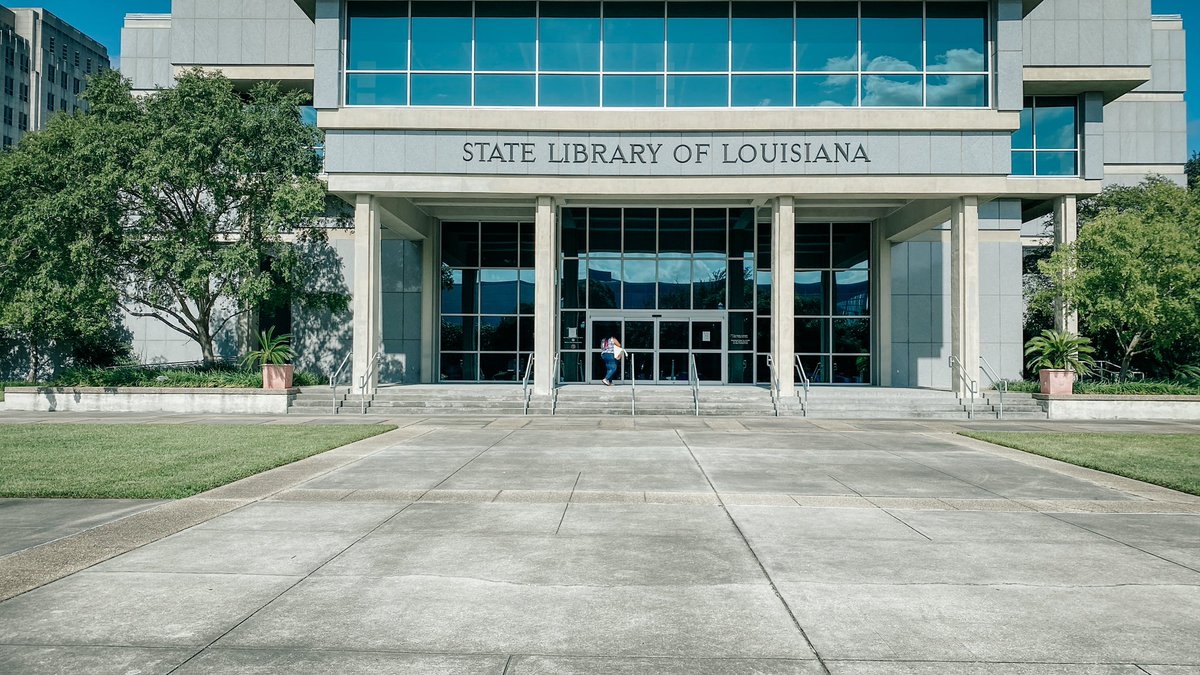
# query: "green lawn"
{"points": [[1170, 460], [153, 461]]}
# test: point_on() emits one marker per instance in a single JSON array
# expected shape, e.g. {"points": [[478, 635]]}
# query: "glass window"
{"points": [[741, 284], [441, 89], [633, 91], [458, 333], [371, 89], [633, 37], [761, 36], [761, 90], [1056, 164], [698, 36], [441, 37], [812, 246], [1022, 139], [498, 333], [710, 226], [698, 91], [812, 336], [827, 36], [810, 298], [1022, 164], [1054, 124], [891, 91], [956, 91], [826, 90], [604, 231], [891, 36], [459, 291], [376, 36], [505, 33], [504, 90], [604, 283], [569, 36], [460, 244], [675, 232], [639, 278], [956, 37], [710, 283], [573, 228], [499, 245], [1047, 144], [851, 290], [458, 367], [569, 91], [851, 245], [640, 234], [675, 283]]}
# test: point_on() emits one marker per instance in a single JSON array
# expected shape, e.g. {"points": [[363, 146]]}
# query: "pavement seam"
{"points": [[1123, 543], [933, 468], [568, 504], [894, 516], [507, 663], [467, 463], [754, 554]]}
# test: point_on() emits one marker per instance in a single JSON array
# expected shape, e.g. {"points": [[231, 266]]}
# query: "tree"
{"points": [[1134, 272], [213, 189], [1192, 169]]}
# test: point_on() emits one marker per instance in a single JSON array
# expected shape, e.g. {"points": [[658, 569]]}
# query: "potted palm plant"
{"points": [[1059, 356], [273, 354]]}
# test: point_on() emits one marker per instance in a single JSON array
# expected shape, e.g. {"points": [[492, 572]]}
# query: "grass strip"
{"points": [[144, 461], [1169, 460]]}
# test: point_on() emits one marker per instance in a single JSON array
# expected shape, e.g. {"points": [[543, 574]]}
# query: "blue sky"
{"points": [[102, 21]]}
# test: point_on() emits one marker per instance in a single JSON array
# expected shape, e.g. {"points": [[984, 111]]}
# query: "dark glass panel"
{"points": [[741, 331], [852, 369], [604, 231], [815, 367], [851, 245], [526, 244], [827, 36], [741, 233], [1054, 123], [574, 227], [499, 247], [458, 367], [458, 333], [761, 36], [826, 91], [698, 91], [460, 244], [852, 293], [1022, 164], [891, 36], [710, 227], [812, 246], [569, 91], [505, 34], [812, 335], [641, 366], [441, 35], [604, 283], [1022, 138], [741, 368], [708, 367], [764, 245], [851, 336], [707, 335], [377, 35], [672, 334], [710, 283], [498, 291], [697, 36], [764, 292], [762, 337], [892, 91], [640, 234], [763, 373], [460, 290], [574, 283], [525, 333], [761, 91], [672, 367], [439, 90], [504, 90], [633, 37], [639, 336], [811, 294], [574, 330], [499, 367], [525, 288], [956, 91], [498, 333], [741, 284], [674, 283], [675, 231], [376, 89], [956, 36], [639, 280], [633, 91], [573, 366], [569, 38], [1056, 164]]}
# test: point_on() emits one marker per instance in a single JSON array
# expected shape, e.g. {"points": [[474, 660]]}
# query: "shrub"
{"points": [[1059, 350]]}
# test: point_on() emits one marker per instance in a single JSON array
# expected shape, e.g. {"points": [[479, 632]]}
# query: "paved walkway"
{"points": [[685, 545]]}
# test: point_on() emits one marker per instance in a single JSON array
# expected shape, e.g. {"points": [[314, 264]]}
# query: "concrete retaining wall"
{"points": [[1096, 407], [149, 399]]}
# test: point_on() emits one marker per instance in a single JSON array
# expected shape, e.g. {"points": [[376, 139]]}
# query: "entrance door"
{"points": [[661, 344]]}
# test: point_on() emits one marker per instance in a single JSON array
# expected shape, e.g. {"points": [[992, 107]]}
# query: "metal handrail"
{"points": [[694, 379], [957, 368], [632, 359], [1107, 370], [804, 381], [999, 384], [774, 383], [557, 370], [372, 366], [525, 382], [337, 375]]}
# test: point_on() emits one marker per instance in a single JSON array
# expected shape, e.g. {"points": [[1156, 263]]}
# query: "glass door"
{"points": [[661, 345]]}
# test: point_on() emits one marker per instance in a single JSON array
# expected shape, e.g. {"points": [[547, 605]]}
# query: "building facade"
{"points": [[839, 184], [45, 69]]}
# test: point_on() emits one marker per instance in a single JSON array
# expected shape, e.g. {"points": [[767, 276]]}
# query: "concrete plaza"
{"points": [[521, 546]]}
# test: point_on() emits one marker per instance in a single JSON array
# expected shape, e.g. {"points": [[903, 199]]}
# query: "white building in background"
{"points": [[842, 181]]}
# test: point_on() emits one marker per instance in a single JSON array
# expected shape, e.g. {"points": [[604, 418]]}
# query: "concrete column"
{"points": [[1066, 229], [545, 307], [368, 293], [431, 286], [881, 302], [964, 288], [783, 291]]}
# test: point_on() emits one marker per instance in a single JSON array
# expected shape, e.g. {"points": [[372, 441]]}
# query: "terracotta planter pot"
{"points": [[277, 377], [1056, 382]]}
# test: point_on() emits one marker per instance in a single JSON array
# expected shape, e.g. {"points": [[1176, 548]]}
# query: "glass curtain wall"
{"points": [[486, 301], [1047, 144], [653, 54], [832, 301]]}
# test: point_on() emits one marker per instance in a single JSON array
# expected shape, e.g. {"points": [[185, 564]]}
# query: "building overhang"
{"points": [[298, 78], [310, 7], [1112, 81]]}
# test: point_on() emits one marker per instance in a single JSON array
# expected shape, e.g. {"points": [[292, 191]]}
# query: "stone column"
{"points": [[368, 293], [1066, 228], [545, 307], [964, 289], [431, 287], [881, 301], [783, 291]]}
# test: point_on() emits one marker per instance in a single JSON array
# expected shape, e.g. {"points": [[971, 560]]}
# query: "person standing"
{"points": [[610, 351]]}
